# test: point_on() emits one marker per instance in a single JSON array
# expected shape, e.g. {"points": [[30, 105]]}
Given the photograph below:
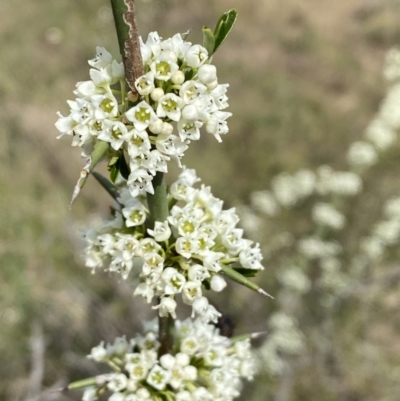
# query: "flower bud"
{"points": [[156, 127], [212, 85], [167, 361], [157, 94], [182, 359], [207, 74], [167, 129], [178, 78], [190, 113], [217, 283], [189, 373]]}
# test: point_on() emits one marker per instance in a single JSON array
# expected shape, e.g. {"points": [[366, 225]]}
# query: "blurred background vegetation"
{"points": [[305, 80]]}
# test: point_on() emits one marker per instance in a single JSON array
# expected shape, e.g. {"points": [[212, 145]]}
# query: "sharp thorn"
{"points": [[261, 291]]}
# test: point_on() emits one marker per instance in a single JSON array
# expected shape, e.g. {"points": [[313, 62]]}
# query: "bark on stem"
{"points": [[128, 39], [129, 45]]}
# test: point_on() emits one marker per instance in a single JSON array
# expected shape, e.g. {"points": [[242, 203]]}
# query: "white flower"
{"points": [[145, 84], [173, 280], [99, 353], [190, 291], [217, 283], [170, 106], [114, 133], [118, 383], [135, 214], [326, 214], [362, 154], [216, 125], [192, 90], [90, 394], [164, 67], [166, 307], [158, 377], [207, 73], [102, 60], [264, 202], [142, 115], [195, 56], [161, 231], [380, 134]]}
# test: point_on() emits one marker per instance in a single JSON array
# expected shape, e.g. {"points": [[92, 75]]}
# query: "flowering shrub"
{"points": [[203, 365], [180, 255], [321, 260], [182, 237], [179, 94]]}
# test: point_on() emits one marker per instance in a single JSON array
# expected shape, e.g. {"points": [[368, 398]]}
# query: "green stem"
{"points": [[129, 46], [158, 203], [158, 207], [119, 8]]}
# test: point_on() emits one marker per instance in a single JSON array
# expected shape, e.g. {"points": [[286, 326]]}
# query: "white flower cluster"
{"points": [[325, 214], [180, 255], [288, 190], [315, 248], [382, 131], [384, 234], [284, 338], [203, 366], [179, 94]]}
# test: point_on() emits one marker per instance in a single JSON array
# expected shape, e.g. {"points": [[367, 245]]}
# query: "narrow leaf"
{"points": [[239, 278], [208, 40], [123, 167], [250, 336], [107, 185], [224, 26], [100, 149], [114, 171], [246, 272], [91, 381]]}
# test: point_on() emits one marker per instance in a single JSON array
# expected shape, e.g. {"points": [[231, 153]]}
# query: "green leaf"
{"points": [[224, 26], [246, 272], [114, 171], [241, 279], [123, 167], [91, 381], [99, 150], [208, 40], [107, 185]]}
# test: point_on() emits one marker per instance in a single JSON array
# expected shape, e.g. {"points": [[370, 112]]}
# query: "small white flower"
{"points": [[158, 377], [90, 394], [195, 56], [170, 106], [145, 84], [161, 231], [362, 154], [173, 280], [135, 215], [142, 115], [166, 307], [118, 383], [207, 74], [102, 60], [164, 67], [98, 353], [217, 283]]}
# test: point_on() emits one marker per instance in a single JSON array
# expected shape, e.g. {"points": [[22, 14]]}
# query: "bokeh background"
{"points": [[306, 78]]}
